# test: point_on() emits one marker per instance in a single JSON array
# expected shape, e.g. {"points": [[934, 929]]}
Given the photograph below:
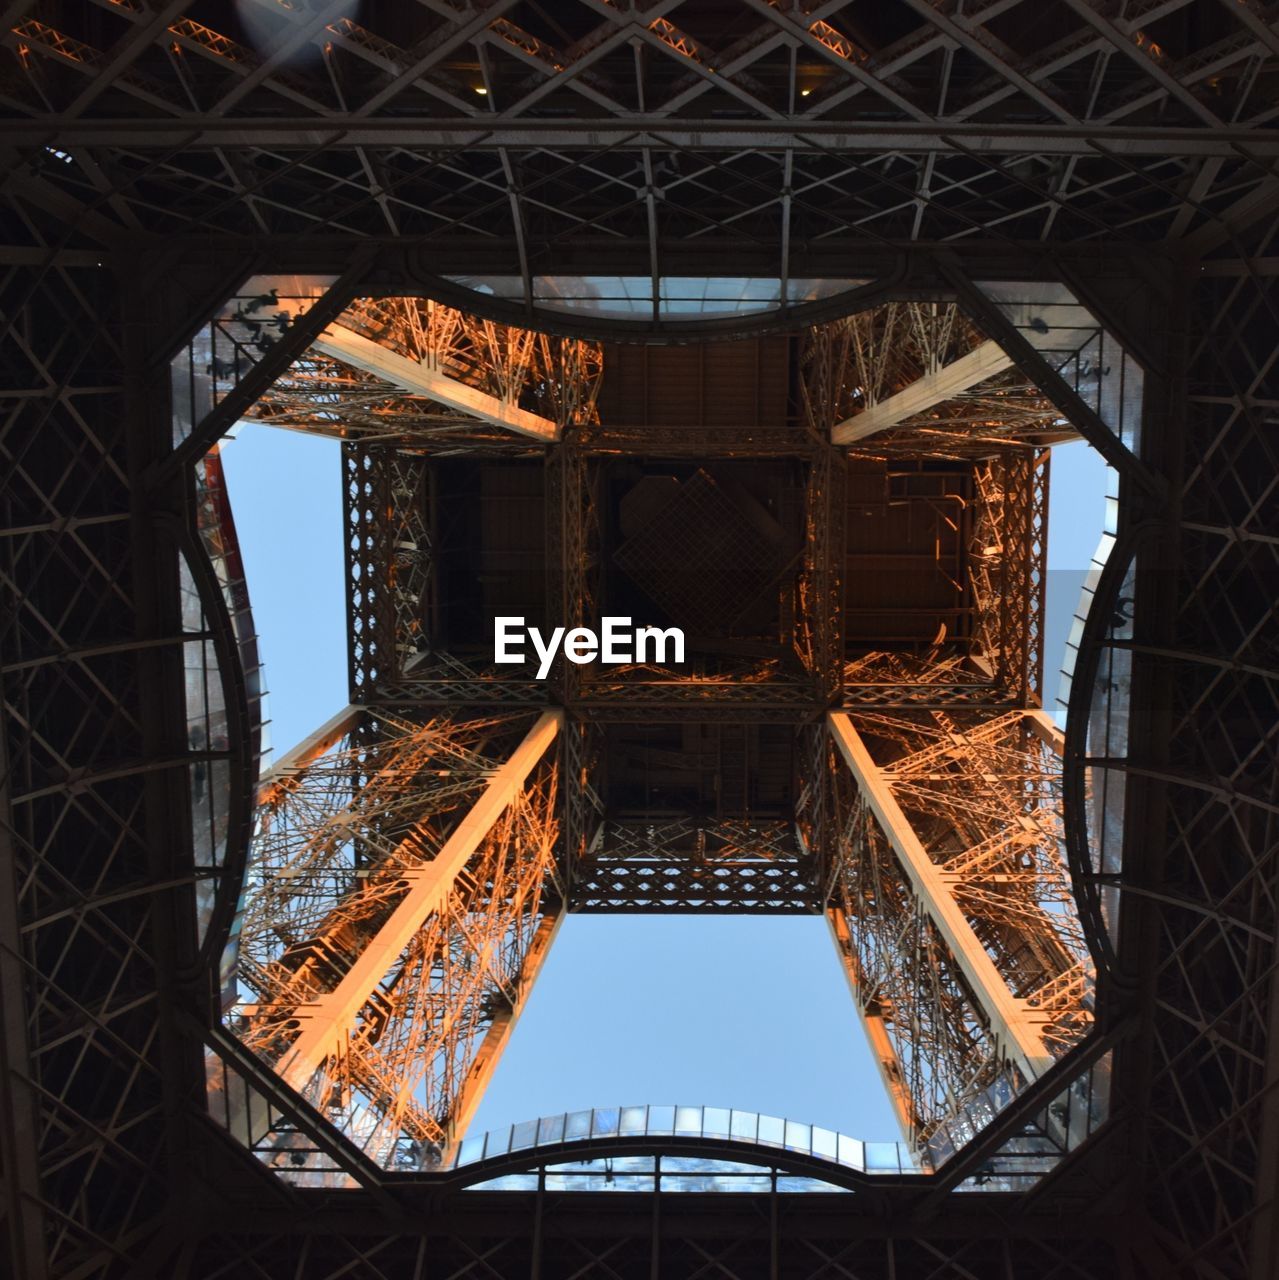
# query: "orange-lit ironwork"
{"points": [[395, 916], [908, 580]]}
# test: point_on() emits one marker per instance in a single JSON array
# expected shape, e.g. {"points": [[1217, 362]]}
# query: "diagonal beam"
{"points": [[1011, 1020], [881, 1045], [312, 747], [327, 1022], [942, 384], [421, 380]]}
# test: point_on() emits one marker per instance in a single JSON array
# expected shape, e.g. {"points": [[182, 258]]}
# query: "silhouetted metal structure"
{"points": [[1009, 159]]}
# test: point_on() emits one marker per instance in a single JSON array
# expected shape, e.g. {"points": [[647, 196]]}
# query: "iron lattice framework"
{"points": [[337, 845], [155, 153], [991, 1005]]}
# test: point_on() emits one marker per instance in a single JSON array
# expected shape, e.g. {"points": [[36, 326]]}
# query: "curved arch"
{"points": [[713, 1133], [235, 652], [779, 1160], [1084, 854], [581, 324]]}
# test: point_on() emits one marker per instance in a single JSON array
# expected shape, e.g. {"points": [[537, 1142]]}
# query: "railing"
{"points": [[720, 1124]]}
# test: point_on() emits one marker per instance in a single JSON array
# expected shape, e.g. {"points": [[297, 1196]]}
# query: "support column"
{"points": [[327, 1022], [1014, 1025]]}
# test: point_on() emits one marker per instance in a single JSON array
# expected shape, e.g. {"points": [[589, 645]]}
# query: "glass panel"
{"points": [[771, 1130], [1053, 321], [851, 1152], [245, 328], [498, 1142], [634, 1120], [793, 1184], [661, 1119], [744, 1125], [471, 1150], [631, 297], [508, 1182], [578, 1125], [550, 1129], [881, 1157], [799, 1137], [604, 1121], [715, 1122], [688, 1120], [825, 1143]]}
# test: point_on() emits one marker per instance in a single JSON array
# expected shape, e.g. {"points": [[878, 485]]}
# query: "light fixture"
{"points": [[803, 93], [481, 90]]}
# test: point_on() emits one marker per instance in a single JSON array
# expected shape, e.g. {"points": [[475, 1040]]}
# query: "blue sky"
{"points": [[746, 1011]]}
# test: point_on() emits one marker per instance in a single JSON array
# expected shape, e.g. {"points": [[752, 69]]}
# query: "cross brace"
{"points": [[951, 380], [421, 380]]}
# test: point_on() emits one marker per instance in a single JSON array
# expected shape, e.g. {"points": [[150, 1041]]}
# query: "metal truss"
{"points": [[325, 396], [678, 865], [917, 378], [1212, 1128], [394, 1039], [1007, 558], [389, 562], [779, 128], [419, 376], [819, 613], [801, 1238], [854, 368]]}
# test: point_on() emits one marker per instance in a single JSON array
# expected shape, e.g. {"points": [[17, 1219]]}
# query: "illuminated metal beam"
{"points": [[327, 1021], [420, 379], [312, 747], [951, 380], [1012, 1022], [1042, 726], [498, 1035]]}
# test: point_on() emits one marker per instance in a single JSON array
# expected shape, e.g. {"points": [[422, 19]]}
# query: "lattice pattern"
{"points": [[676, 865], [333, 848], [1212, 1131], [946, 1058], [700, 558], [85, 662], [981, 794], [556, 377], [1007, 555], [831, 127]]}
